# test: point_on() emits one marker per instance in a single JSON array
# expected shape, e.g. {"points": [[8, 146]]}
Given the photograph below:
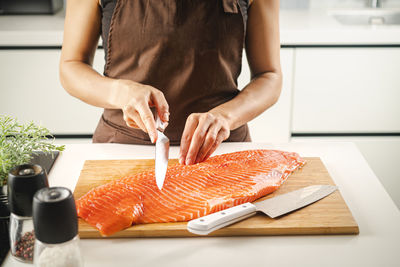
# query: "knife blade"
{"points": [[162, 153], [273, 207]]}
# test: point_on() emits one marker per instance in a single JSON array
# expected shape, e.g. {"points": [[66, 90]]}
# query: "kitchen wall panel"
{"points": [[30, 91]]}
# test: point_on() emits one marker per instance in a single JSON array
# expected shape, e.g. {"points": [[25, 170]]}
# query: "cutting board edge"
{"points": [[346, 230]]}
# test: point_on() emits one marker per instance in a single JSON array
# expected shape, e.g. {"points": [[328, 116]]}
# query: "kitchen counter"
{"points": [[371, 206], [298, 27], [316, 27]]}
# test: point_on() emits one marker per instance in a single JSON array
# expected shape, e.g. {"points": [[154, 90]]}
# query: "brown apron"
{"points": [[191, 50]]}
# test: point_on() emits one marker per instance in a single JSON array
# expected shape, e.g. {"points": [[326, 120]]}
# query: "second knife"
{"points": [[273, 207]]}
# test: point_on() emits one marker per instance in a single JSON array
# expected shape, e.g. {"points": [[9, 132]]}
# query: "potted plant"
{"points": [[18, 143]]}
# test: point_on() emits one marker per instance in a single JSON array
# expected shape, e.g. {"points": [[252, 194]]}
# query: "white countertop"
{"points": [[377, 216], [298, 27], [316, 27]]}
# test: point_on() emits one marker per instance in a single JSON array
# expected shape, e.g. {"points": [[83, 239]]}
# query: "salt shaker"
{"points": [[23, 182], [56, 229]]}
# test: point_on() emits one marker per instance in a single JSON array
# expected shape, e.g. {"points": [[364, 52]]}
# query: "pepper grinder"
{"points": [[23, 182], [56, 229]]}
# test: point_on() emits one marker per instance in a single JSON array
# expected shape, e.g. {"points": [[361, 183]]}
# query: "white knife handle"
{"points": [[222, 218]]}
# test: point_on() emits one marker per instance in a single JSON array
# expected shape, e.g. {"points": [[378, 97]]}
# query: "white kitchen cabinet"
{"points": [[346, 90], [273, 125], [31, 91]]}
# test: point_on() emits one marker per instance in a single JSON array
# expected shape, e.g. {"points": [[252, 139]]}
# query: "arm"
{"points": [[204, 132], [81, 35]]}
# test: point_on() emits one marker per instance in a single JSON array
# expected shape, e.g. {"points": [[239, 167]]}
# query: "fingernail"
{"points": [[188, 161], [166, 116], [181, 160]]}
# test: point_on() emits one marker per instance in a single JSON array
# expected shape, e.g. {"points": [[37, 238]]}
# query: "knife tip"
{"points": [[159, 186]]}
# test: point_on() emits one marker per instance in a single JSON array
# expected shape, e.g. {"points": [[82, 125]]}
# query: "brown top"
{"points": [[191, 50]]}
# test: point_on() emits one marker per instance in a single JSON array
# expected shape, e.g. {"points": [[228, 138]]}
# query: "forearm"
{"points": [[263, 56], [260, 94], [83, 82], [82, 28], [81, 36]]}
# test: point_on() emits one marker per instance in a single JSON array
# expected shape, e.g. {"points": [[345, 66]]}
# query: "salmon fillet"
{"points": [[189, 192]]}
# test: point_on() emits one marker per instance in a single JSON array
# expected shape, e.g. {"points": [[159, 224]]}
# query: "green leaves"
{"points": [[19, 141]]}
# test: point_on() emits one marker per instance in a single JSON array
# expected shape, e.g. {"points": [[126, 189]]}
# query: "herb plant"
{"points": [[18, 142]]}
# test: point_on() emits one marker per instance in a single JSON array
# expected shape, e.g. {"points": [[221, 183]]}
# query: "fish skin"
{"points": [[189, 192]]}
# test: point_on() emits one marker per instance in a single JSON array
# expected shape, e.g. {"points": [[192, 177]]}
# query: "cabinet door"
{"points": [[273, 125], [31, 91], [346, 90]]}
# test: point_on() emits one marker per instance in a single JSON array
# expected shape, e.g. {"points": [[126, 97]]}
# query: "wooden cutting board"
{"points": [[327, 216]]}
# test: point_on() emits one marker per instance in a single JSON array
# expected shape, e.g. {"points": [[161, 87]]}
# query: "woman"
{"points": [[183, 58]]}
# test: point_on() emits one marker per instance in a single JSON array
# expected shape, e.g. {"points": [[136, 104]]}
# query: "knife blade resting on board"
{"points": [[273, 207]]}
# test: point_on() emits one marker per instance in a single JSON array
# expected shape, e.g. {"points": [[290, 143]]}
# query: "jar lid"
{"points": [[23, 182], [54, 215]]}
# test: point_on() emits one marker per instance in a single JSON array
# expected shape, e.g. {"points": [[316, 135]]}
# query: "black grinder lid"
{"points": [[23, 182], [54, 215]]}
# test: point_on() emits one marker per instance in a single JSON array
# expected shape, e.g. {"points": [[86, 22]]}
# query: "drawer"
{"points": [[346, 90]]}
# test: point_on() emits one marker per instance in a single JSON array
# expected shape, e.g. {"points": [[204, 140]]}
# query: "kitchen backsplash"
{"points": [[293, 4]]}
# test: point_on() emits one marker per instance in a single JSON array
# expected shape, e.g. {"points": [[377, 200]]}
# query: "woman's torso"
{"points": [[191, 50]]}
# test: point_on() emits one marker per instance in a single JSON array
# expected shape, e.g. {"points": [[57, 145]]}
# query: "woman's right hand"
{"points": [[136, 100], [81, 38]]}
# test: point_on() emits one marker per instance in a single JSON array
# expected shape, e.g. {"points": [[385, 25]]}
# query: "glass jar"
{"points": [[22, 238], [65, 254]]}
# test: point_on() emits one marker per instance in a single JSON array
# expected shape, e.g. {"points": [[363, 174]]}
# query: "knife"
{"points": [[273, 207], [162, 152]]}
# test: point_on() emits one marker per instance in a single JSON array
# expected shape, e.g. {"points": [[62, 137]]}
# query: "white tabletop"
{"points": [[377, 216]]}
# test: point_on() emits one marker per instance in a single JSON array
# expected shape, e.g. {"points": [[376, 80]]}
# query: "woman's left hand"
{"points": [[203, 133]]}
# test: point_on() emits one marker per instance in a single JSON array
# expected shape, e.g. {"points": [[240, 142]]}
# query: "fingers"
{"points": [[203, 133], [190, 127], [133, 124], [137, 111], [222, 135], [198, 139], [132, 118], [209, 141], [148, 120], [158, 99]]}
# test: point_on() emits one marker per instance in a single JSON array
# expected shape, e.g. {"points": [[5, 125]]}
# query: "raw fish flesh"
{"points": [[189, 192]]}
